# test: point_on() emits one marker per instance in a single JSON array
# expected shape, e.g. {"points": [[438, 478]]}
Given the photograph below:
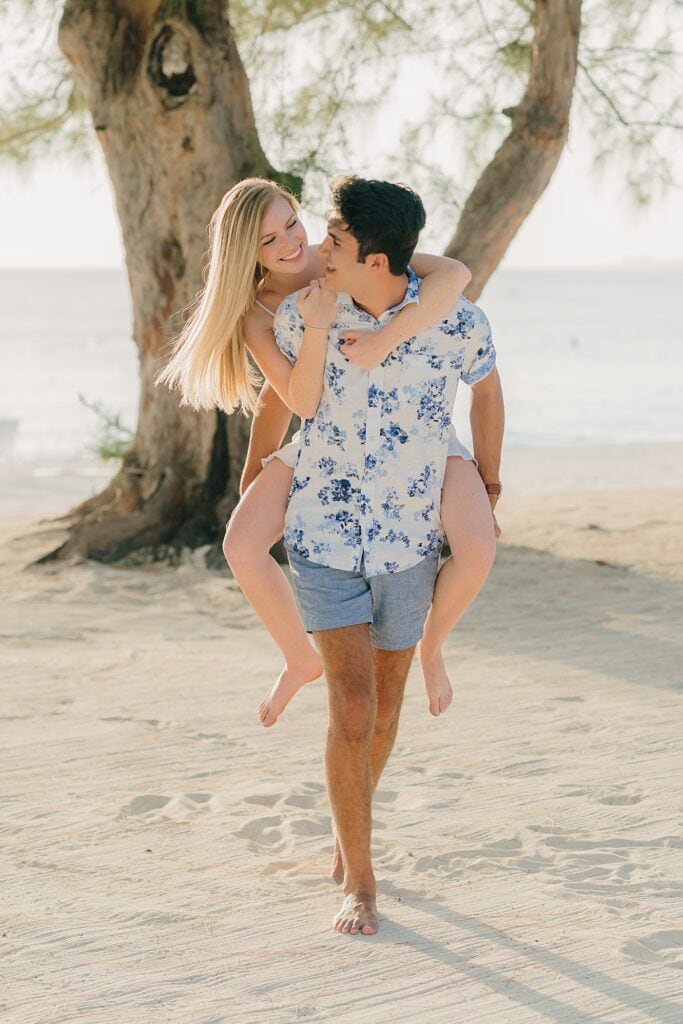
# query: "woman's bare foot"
{"points": [[287, 685], [437, 683], [358, 915], [337, 872]]}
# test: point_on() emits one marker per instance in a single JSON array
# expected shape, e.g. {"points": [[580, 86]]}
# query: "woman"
{"points": [[260, 254]]}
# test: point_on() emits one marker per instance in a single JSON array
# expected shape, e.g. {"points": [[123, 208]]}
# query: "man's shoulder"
{"points": [[287, 313], [465, 316]]}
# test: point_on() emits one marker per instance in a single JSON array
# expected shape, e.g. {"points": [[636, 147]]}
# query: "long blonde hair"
{"points": [[209, 363]]}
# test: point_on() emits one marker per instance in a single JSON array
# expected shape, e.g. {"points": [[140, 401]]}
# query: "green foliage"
{"points": [[113, 438], [324, 73], [41, 109]]}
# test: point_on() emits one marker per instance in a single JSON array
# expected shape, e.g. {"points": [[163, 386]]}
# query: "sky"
{"points": [[61, 214]]}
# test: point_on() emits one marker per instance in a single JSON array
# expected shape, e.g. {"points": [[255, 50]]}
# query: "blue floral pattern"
{"points": [[367, 486]]}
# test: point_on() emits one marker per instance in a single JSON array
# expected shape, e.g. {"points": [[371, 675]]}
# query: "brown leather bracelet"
{"points": [[494, 488]]}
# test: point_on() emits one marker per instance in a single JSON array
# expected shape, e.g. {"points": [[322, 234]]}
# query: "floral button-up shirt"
{"points": [[367, 486]]}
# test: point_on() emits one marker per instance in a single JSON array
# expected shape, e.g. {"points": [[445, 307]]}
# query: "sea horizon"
{"points": [[586, 359]]}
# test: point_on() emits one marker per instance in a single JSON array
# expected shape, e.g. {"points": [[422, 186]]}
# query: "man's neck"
{"points": [[382, 296]]}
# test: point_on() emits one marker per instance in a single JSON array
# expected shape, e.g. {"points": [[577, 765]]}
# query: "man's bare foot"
{"points": [[437, 683], [337, 872], [358, 915], [287, 685]]}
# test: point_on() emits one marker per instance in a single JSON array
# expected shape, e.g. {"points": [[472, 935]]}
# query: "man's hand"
{"points": [[365, 349], [493, 501]]}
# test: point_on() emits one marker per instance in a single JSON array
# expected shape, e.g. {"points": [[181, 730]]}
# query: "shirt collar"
{"points": [[412, 295]]}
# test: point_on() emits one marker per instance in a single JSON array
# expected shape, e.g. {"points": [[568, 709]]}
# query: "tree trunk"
{"points": [[171, 108], [516, 177]]}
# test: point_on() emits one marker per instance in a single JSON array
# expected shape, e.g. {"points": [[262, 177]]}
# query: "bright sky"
{"points": [[62, 215]]}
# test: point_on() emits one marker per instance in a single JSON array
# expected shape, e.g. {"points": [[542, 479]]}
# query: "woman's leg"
{"points": [[256, 524], [468, 524]]}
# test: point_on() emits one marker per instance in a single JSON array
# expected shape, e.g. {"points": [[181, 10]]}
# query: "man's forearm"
{"points": [[487, 419]]}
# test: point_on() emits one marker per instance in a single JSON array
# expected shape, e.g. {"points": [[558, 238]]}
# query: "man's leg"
{"points": [[391, 671], [348, 661]]}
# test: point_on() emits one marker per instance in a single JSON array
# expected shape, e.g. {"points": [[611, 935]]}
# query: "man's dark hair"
{"points": [[381, 216]]}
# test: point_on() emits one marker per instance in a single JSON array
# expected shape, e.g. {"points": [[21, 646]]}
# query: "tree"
{"points": [[169, 100]]}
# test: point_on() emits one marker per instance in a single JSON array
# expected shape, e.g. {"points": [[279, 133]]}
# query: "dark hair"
{"points": [[381, 216]]}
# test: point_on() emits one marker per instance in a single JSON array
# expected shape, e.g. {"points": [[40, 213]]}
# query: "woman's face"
{"points": [[283, 239]]}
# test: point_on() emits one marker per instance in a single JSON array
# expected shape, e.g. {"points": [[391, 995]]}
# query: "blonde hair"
{"points": [[209, 363]]}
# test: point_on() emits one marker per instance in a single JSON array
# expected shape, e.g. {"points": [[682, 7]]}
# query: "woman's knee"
{"points": [[238, 546], [475, 555]]}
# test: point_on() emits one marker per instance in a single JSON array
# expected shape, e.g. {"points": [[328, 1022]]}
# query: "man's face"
{"points": [[339, 250]]}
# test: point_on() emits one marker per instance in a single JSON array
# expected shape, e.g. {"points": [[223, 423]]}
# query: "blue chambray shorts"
{"points": [[395, 604]]}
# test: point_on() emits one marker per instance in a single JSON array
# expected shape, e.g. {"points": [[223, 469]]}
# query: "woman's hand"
{"points": [[365, 349], [317, 304]]}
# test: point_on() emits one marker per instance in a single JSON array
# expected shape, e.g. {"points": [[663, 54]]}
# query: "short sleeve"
{"points": [[480, 353], [288, 328]]}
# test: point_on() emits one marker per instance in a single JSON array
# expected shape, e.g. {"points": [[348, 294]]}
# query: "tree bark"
{"points": [[171, 107], [520, 170]]}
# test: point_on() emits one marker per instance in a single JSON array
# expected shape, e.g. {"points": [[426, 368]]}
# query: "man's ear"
{"points": [[378, 261]]}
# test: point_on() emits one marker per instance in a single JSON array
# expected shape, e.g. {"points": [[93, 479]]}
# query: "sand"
{"points": [[164, 858]]}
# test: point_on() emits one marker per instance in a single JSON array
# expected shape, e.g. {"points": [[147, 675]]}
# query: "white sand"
{"points": [[164, 858]]}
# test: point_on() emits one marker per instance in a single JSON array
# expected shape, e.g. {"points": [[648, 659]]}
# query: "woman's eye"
{"points": [[269, 241]]}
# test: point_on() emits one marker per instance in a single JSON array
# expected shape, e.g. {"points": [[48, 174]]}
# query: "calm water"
{"points": [[588, 358]]}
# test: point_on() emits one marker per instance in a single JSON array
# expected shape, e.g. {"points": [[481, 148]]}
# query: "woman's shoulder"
{"points": [[258, 326]]}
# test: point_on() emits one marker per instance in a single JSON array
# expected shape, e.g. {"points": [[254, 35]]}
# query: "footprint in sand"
{"points": [[299, 800], [264, 831], [145, 804], [310, 827], [263, 799], [179, 807], [617, 796], [660, 947]]}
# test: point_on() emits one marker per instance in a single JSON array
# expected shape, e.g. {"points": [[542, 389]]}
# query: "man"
{"points": [[362, 530]]}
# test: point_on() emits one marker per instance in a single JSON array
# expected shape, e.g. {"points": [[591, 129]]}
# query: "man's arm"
{"points": [[268, 429], [487, 419]]}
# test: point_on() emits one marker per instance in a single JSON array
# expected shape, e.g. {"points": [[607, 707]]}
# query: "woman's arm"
{"points": [[443, 283], [268, 429], [299, 386]]}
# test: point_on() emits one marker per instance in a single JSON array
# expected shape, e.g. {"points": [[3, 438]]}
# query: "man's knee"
{"points": [[352, 711], [388, 713]]}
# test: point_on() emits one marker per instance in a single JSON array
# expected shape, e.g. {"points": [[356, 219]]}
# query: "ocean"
{"points": [[587, 358]]}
